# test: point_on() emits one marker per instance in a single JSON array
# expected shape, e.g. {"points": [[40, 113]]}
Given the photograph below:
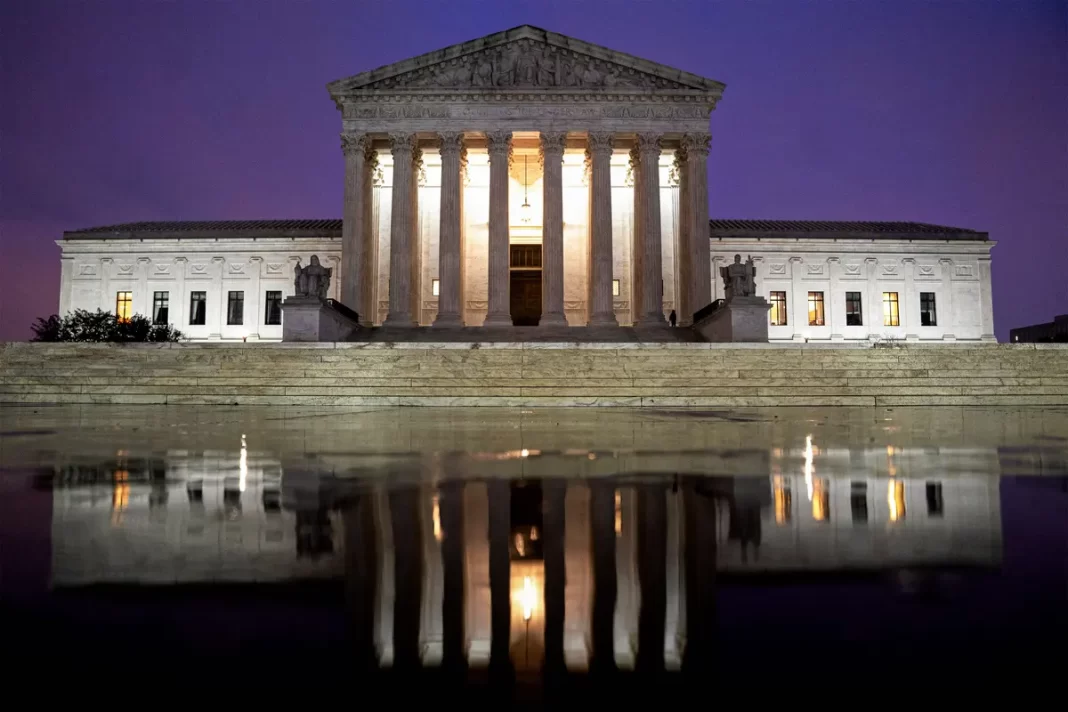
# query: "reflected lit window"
{"points": [[935, 506], [815, 308], [160, 307], [858, 502], [783, 501], [778, 309], [821, 500], [124, 305], [895, 499], [891, 315], [854, 315]]}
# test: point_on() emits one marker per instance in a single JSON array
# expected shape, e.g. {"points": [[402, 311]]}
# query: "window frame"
{"points": [[778, 308], [891, 309], [815, 304], [161, 300], [855, 299], [930, 312], [267, 301], [123, 314], [235, 297], [193, 301]]}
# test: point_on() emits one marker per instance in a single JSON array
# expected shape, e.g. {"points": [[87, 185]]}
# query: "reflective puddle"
{"points": [[527, 554]]}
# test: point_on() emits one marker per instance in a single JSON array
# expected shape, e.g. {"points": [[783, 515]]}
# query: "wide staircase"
{"points": [[534, 374]]}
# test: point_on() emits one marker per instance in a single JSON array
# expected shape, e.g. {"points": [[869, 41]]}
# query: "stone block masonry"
{"points": [[534, 374]]}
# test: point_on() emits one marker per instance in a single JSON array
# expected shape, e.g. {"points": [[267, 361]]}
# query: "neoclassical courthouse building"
{"points": [[530, 178]]}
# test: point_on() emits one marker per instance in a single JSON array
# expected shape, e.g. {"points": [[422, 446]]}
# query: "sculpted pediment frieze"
{"points": [[526, 64], [525, 59]]}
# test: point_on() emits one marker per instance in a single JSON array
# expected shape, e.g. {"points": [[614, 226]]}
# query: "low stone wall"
{"points": [[535, 374]]}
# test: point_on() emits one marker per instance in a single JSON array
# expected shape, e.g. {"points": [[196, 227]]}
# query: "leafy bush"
{"points": [[100, 327]]}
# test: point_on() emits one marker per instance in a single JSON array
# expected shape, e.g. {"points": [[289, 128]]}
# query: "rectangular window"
{"points": [[435, 287], [160, 307], [891, 317], [124, 305], [928, 316], [815, 308], [235, 309], [615, 287], [853, 311], [778, 308], [273, 313], [935, 506], [197, 308], [858, 502]]}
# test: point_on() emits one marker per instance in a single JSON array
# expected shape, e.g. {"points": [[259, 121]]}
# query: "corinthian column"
{"points": [[600, 154], [552, 239], [357, 252], [696, 214], [652, 294], [449, 256], [500, 148], [400, 232]]}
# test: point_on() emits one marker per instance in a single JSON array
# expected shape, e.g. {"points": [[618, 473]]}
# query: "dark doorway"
{"points": [[526, 297], [525, 284]]}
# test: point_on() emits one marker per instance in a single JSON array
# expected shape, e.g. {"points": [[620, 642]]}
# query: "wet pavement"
{"points": [[506, 556]]}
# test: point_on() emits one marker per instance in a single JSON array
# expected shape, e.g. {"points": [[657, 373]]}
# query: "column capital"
{"points": [[498, 142], [600, 142], [451, 142], [401, 144], [649, 144], [871, 260], [353, 143], [908, 260], [833, 260], [552, 143], [797, 260], [696, 143], [945, 261]]}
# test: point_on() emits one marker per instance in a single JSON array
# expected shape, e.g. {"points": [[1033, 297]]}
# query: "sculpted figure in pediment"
{"points": [[526, 68]]}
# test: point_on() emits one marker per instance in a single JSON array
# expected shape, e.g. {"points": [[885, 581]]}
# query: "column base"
{"points": [[401, 319], [444, 321], [607, 319], [557, 319], [498, 319], [988, 338]]}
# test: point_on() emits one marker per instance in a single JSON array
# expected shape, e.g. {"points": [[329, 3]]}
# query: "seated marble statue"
{"points": [[313, 280], [739, 280]]}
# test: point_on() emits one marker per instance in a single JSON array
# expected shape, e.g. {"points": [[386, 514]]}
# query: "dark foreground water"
{"points": [[509, 557]]}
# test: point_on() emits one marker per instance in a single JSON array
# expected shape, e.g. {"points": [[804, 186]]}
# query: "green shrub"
{"points": [[102, 327]]}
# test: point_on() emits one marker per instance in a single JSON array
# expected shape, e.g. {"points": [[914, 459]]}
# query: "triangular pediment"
{"points": [[523, 59]]}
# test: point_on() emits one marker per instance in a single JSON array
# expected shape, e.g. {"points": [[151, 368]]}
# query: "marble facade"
{"points": [[592, 160]]}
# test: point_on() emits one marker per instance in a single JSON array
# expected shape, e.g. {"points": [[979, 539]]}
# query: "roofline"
{"points": [[766, 235], [267, 234], [340, 87]]}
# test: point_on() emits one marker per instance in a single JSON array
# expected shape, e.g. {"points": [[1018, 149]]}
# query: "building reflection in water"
{"points": [[518, 576]]}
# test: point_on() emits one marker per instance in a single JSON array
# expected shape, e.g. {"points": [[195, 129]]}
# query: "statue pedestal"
{"points": [[312, 319], [738, 320]]}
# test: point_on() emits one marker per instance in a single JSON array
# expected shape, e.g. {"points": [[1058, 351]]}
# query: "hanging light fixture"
{"points": [[524, 209]]}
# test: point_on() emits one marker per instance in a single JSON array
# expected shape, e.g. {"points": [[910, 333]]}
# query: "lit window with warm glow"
{"points": [[891, 314], [821, 500], [783, 501], [895, 499], [815, 308], [615, 287], [435, 287], [124, 305], [435, 516], [619, 514], [778, 309], [528, 598]]}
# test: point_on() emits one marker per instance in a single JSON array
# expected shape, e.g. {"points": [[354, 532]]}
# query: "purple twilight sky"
{"points": [[945, 111]]}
